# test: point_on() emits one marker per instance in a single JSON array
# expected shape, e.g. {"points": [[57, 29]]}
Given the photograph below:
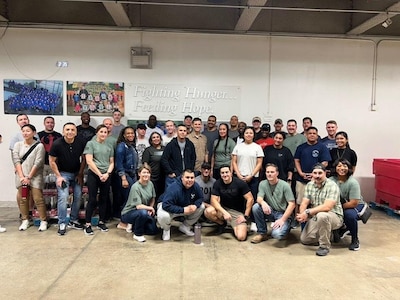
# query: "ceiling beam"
{"points": [[118, 14], [376, 20], [249, 15]]}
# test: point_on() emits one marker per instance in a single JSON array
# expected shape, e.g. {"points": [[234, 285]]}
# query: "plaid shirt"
{"points": [[329, 190]]}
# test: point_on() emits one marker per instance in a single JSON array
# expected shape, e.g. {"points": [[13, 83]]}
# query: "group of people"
{"points": [[231, 174]]}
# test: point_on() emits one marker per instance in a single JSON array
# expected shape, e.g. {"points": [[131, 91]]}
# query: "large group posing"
{"points": [[232, 175]]}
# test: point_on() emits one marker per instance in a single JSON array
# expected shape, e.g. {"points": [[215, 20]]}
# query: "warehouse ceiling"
{"points": [[265, 17]]}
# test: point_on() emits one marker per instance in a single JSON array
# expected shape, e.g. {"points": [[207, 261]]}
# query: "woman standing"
{"points": [[343, 151], [139, 209], [100, 160], [29, 176], [152, 160], [247, 160], [126, 162], [222, 153], [350, 196]]}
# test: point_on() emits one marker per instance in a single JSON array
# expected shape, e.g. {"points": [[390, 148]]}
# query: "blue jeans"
{"points": [[351, 219], [63, 194], [142, 222], [260, 218]]}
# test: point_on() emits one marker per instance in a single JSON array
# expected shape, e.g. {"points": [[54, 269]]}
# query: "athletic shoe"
{"points": [[220, 228], [355, 245], [336, 236], [344, 233], [102, 227], [322, 251], [61, 229], [2, 229], [43, 226], [75, 225], [253, 227], [166, 235], [88, 230], [259, 238], [186, 230], [24, 225], [139, 238], [128, 228]]}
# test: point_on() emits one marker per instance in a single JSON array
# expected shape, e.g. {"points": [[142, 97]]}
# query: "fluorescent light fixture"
{"points": [[387, 23]]}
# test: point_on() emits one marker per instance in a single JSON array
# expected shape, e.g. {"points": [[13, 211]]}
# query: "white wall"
{"points": [[279, 77]]}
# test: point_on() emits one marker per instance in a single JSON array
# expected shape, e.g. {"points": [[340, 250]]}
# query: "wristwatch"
{"points": [[247, 218], [308, 212]]}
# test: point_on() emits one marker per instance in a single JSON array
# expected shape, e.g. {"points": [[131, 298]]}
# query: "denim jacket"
{"points": [[126, 160]]}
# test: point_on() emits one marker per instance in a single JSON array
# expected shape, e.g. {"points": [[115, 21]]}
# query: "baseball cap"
{"points": [[278, 121], [141, 126], [266, 127], [206, 165], [256, 119]]}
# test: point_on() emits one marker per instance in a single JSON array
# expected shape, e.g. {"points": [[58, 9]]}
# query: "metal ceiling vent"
{"points": [[141, 58]]}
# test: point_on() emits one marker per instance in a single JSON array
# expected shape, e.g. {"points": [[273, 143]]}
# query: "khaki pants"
{"points": [[37, 196], [319, 228]]}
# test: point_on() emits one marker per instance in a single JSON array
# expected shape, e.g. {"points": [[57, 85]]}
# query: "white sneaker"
{"points": [[43, 226], [2, 229], [24, 225], [166, 235], [186, 230], [253, 227], [140, 238], [128, 228]]}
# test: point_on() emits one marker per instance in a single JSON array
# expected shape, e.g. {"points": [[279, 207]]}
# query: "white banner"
{"points": [[168, 101]]}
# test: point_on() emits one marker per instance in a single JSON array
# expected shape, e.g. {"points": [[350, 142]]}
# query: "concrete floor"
{"points": [[43, 265]]}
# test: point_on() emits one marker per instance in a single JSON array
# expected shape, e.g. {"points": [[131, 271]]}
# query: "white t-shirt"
{"points": [[247, 155]]}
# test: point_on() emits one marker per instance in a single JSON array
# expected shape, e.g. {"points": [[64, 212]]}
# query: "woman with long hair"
{"points": [[152, 159], [350, 197], [139, 209], [247, 159], [29, 176], [126, 162], [343, 151], [222, 150], [100, 160]]}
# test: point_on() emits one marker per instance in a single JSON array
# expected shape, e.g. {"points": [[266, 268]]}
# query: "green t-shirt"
{"points": [[101, 154], [222, 155], [277, 196], [139, 194], [350, 189]]}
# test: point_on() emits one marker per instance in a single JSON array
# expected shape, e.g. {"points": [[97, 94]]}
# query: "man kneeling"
{"points": [[275, 201], [231, 201], [182, 198], [325, 213]]}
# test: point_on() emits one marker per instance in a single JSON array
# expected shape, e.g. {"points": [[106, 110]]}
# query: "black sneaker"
{"points": [[220, 229], [322, 251], [88, 230], [61, 229], [336, 236], [75, 225], [355, 245], [102, 227]]}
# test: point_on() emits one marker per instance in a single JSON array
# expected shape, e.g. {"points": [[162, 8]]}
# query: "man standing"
{"points": [[183, 198], [117, 126], [68, 162], [231, 201], [200, 144], [178, 155], [278, 125], [85, 131], [306, 156], [151, 126], [265, 139], [307, 122], [233, 124], [187, 121], [275, 201], [22, 119], [206, 182], [256, 122], [293, 138], [170, 129], [141, 141], [47, 137], [211, 132], [325, 213], [330, 140]]}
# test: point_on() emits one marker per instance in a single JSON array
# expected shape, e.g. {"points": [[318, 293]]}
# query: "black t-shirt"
{"points": [[86, 133], [231, 195], [47, 139], [68, 155], [152, 156]]}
